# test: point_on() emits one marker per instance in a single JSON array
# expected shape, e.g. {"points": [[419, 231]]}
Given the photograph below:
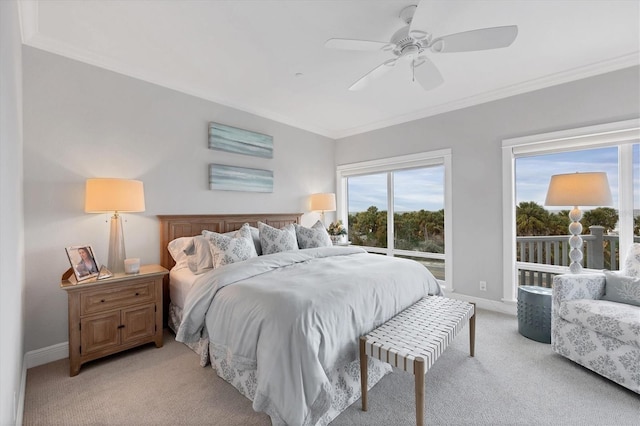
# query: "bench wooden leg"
{"points": [[472, 331], [364, 372], [418, 371]]}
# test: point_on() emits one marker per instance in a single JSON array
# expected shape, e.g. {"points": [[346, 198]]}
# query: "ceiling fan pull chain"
{"points": [[413, 70]]}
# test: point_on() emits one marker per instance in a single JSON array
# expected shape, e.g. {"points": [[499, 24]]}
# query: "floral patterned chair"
{"points": [[595, 321]]}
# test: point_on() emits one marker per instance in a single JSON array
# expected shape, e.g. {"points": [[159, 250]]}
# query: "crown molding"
{"points": [[626, 61], [31, 37], [28, 13]]}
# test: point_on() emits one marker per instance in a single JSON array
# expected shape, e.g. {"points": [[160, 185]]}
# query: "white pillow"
{"points": [[176, 250], [275, 240], [199, 255], [316, 236], [227, 249], [255, 234]]}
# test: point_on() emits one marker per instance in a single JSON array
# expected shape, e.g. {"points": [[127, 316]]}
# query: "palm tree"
{"points": [[531, 219]]}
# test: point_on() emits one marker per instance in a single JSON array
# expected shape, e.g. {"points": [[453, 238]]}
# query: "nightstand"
{"points": [[113, 314]]}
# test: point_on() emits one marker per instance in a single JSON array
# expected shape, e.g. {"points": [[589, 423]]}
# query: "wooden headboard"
{"points": [[175, 226]]}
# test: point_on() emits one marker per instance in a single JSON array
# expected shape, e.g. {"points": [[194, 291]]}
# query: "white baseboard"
{"points": [[491, 305], [33, 359], [46, 355]]}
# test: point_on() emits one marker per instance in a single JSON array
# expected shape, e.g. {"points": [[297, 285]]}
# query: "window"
{"points": [[535, 243], [404, 197]]}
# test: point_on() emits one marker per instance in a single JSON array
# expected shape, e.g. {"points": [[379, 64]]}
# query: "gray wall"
{"points": [[475, 137], [11, 214], [81, 121]]}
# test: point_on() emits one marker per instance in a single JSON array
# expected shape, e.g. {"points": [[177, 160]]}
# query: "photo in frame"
{"points": [[83, 262]]}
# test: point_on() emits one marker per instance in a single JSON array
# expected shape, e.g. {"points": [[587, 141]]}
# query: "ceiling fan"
{"points": [[410, 43]]}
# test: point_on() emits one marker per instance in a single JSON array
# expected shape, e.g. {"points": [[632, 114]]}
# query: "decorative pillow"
{"points": [[631, 266], [316, 236], [275, 240], [621, 289], [199, 255], [176, 250], [227, 249]]}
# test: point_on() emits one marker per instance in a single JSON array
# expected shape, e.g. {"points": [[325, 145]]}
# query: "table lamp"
{"points": [[578, 189], [118, 196], [323, 202]]}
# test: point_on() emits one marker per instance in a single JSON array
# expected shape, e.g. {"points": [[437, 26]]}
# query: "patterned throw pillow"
{"points": [[275, 240], [632, 262], [316, 236], [621, 289], [227, 249]]}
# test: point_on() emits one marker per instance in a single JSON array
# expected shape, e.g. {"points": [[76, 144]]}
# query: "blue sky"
{"points": [[426, 190], [532, 180], [534, 173]]}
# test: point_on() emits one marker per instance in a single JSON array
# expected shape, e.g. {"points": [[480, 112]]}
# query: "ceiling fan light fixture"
{"points": [[410, 42]]}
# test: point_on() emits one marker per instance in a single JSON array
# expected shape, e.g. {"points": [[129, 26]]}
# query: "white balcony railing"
{"points": [[600, 251]]}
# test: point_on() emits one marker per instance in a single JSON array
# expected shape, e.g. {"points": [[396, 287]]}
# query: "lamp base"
{"points": [[575, 242], [116, 246]]}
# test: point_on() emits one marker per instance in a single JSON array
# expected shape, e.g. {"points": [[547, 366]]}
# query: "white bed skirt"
{"points": [[345, 381]]}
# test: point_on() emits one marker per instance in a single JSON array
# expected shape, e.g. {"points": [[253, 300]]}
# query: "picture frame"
{"points": [[83, 262]]}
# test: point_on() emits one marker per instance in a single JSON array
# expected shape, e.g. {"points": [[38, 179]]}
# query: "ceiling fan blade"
{"points": [[426, 72], [482, 39], [374, 74], [351, 44], [420, 22]]}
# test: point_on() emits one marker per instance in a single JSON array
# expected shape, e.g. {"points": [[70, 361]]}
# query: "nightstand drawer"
{"points": [[106, 299]]}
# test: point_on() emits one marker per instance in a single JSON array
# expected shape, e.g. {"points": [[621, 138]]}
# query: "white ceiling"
{"points": [[247, 54]]}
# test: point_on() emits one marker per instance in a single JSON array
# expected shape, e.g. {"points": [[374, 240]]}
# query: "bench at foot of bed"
{"points": [[415, 338]]}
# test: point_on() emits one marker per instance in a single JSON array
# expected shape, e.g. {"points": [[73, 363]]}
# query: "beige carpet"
{"points": [[512, 380]]}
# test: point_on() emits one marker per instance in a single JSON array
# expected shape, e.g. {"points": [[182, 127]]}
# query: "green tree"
{"points": [[602, 216], [531, 219]]}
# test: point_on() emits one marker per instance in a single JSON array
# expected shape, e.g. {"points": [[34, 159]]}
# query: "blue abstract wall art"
{"points": [[239, 141], [232, 178]]}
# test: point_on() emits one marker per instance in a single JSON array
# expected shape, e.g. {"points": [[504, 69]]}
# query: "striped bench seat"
{"points": [[415, 338]]}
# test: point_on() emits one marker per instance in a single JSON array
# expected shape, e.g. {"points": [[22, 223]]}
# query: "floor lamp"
{"points": [[578, 189], [323, 202], [106, 195]]}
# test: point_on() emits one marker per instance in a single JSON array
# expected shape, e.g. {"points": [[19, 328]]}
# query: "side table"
{"points": [[113, 314], [534, 313]]}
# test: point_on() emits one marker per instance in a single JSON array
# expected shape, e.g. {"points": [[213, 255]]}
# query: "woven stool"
{"points": [[415, 338]]}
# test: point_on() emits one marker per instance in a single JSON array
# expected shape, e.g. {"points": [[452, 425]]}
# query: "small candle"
{"points": [[132, 265]]}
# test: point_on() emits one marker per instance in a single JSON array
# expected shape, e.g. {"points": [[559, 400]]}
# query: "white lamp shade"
{"points": [[325, 202], [113, 195], [579, 189]]}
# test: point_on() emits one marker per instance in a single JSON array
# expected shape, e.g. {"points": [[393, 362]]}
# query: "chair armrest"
{"points": [[578, 286]]}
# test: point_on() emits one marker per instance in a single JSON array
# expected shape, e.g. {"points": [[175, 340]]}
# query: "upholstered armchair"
{"points": [[601, 335]]}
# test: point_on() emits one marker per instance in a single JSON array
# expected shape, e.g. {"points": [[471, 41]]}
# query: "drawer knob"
{"points": [[137, 294], [121, 326], [102, 301]]}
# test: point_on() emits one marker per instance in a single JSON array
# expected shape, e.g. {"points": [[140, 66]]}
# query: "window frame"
{"points": [[392, 164], [622, 134]]}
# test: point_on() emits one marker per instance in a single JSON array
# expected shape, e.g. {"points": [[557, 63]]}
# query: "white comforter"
{"points": [[294, 316]]}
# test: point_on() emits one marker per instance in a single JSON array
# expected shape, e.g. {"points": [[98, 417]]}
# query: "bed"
{"points": [[283, 328]]}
